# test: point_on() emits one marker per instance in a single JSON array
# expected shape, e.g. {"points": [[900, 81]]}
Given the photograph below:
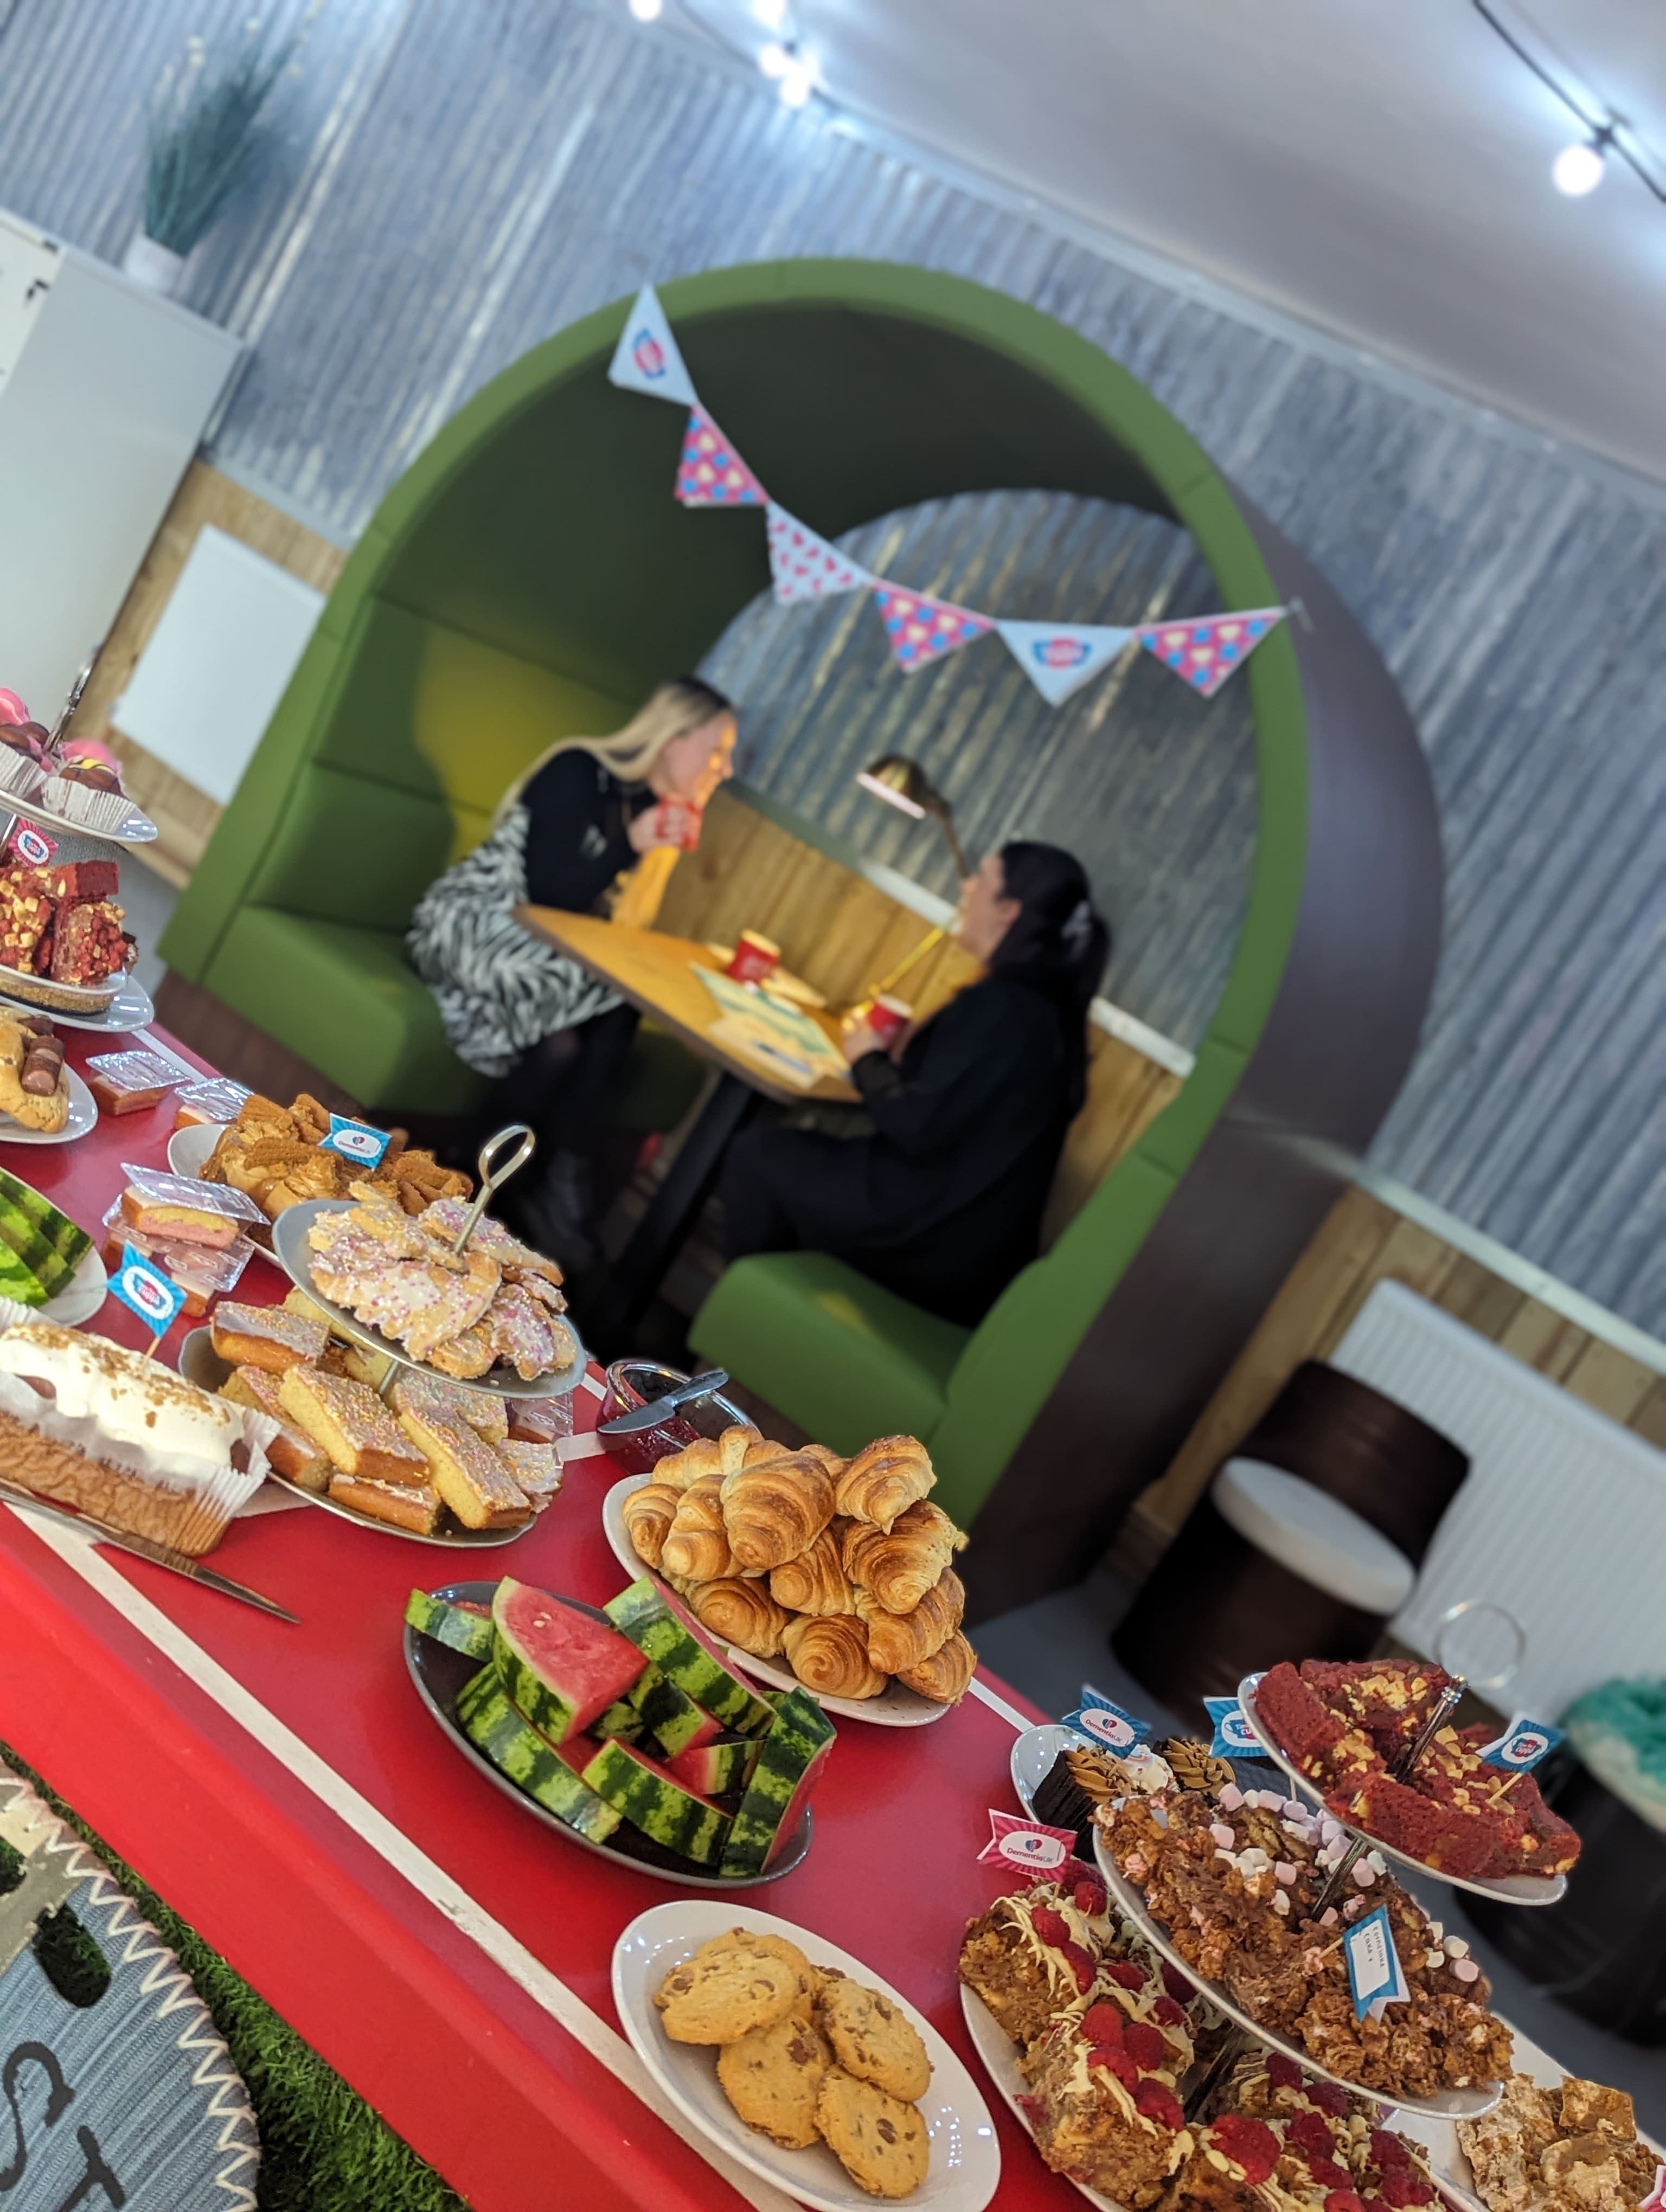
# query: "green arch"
{"points": [[531, 573]]}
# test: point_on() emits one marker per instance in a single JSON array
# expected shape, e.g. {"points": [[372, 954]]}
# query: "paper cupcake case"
{"points": [[105, 811]]}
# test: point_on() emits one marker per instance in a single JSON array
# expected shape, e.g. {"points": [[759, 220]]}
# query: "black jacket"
{"points": [[577, 816]]}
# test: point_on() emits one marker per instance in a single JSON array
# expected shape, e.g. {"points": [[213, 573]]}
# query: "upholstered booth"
{"points": [[531, 575]]}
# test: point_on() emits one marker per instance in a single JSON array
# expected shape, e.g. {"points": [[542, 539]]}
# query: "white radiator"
{"points": [[1562, 1520]]}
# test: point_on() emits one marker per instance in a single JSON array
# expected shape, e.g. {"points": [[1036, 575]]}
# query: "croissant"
{"points": [[897, 1640], [815, 1582], [648, 1513], [775, 1507], [829, 1654], [695, 1543], [707, 1456], [901, 1566], [741, 1612], [883, 1479], [946, 1675]]}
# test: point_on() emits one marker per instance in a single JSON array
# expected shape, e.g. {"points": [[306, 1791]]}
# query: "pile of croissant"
{"points": [[839, 1567]]}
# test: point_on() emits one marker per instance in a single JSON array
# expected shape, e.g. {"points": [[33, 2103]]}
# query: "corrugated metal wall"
{"points": [[465, 180]]}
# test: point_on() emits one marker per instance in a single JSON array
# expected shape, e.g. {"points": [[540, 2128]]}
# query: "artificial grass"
{"points": [[322, 2147]]}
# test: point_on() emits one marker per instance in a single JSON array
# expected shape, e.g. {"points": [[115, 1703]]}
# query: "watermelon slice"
{"points": [[687, 1657], [492, 1724], [465, 1627], [652, 1799], [621, 1718], [715, 1769], [672, 1720], [789, 1763], [563, 1668]]}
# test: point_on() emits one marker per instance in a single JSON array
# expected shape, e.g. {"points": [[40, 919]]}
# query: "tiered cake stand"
{"points": [[129, 1007]]}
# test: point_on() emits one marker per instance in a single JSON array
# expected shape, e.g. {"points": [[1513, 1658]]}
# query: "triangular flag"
{"points": [[920, 628], [645, 358], [711, 473], [805, 565], [1059, 658], [1206, 651]]}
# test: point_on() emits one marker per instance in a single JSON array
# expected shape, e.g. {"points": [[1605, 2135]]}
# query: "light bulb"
{"points": [[646, 11], [1578, 169], [772, 14], [798, 82], [774, 60]]}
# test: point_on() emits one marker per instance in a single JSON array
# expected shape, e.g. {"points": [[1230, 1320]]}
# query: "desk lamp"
{"points": [[904, 784]]}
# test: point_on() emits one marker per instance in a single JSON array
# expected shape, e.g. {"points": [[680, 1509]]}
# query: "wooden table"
{"points": [[659, 976]]}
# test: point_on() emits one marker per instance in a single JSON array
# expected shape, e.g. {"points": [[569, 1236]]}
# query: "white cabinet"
{"points": [[105, 391]]}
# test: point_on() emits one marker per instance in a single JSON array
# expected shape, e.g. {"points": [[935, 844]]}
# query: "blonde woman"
{"points": [[585, 812]]}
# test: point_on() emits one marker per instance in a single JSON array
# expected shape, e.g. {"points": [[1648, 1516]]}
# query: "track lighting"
{"points": [[1579, 168]]}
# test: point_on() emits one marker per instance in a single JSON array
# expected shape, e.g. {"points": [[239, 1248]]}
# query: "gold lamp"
{"points": [[904, 784]]}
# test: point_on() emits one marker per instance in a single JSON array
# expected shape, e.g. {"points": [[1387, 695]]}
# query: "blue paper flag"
{"points": [[1375, 1974], [1106, 1723], [1234, 1738], [356, 1141], [1522, 1744], [146, 1290]]}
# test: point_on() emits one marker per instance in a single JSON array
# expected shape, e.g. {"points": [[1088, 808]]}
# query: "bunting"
{"points": [[711, 473], [1059, 658], [805, 565], [646, 358], [920, 629], [1207, 652]]}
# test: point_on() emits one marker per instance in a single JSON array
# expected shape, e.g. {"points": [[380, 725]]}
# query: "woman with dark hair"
{"points": [[943, 1201]]}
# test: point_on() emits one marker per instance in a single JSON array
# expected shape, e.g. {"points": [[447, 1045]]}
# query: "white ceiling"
{"points": [[1379, 168]]}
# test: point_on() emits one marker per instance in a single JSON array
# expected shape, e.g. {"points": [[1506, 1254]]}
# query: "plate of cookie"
{"points": [[799, 2062]]}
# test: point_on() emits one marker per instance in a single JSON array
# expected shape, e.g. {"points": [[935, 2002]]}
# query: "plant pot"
{"points": [[156, 268]]}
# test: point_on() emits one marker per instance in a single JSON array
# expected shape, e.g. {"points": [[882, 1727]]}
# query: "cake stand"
{"points": [[1507, 1889]]}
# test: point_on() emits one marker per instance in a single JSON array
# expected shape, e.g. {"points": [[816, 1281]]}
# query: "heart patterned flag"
{"points": [[805, 565], [1206, 651], [645, 358], [921, 629], [711, 473], [1059, 658]]}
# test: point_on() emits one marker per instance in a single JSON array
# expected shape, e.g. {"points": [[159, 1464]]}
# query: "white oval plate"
{"points": [[893, 1707], [1001, 2063], [129, 1010], [188, 1149], [1508, 1889], [964, 2171], [83, 1116], [1447, 2104], [1033, 1757]]}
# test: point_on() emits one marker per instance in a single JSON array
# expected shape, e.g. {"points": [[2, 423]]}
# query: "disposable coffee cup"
{"points": [[886, 1015], [753, 958]]}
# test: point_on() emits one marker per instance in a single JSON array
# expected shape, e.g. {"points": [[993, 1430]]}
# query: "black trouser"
{"points": [[560, 1086]]}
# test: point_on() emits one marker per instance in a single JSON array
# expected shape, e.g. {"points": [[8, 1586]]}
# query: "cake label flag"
{"points": [[1030, 1844], [1206, 652], [804, 565], [711, 473], [1107, 1722], [1522, 1745], [645, 358], [32, 845], [1234, 1738], [1059, 658], [920, 628], [356, 1141], [1375, 1974], [146, 1290]]}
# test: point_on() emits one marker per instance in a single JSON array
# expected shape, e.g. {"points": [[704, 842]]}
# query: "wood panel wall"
{"points": [[1362, 1241], [184, 816], [843, 934]]}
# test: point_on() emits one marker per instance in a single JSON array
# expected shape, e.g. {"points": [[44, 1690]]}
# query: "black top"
{"points": [[577, 814]]}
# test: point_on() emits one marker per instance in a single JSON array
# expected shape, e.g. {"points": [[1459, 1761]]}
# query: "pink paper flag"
{"points": [[921, 629], [1029, 1846], [805, 565], [1206, 652], [711, 473]]}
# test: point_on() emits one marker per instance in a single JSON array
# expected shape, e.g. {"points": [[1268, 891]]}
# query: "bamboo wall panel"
{"points": [[1362, 1241], [184, 815]]}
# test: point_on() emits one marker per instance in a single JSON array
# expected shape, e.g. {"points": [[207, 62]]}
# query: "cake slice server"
{"points": [[143, 1547]]}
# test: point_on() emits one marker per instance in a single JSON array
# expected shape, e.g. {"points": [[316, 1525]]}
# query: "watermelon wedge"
{"points": [[789, 1762], [517, 1750], [563, 1668], [715, 1769], [465, 1627], [672, 1720], [687, 1657], [621, 1718], [652, 1799]]}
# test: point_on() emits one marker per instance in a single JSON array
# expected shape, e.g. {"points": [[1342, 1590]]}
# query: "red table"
{"points": [[285, 1790]]}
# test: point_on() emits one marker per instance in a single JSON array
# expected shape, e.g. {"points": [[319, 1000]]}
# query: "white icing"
{"points": [[119, 1408]]}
